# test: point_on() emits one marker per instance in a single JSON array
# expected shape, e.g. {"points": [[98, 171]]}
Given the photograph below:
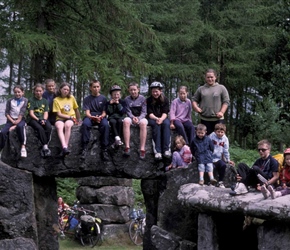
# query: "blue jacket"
{"points": [[202, 149]]}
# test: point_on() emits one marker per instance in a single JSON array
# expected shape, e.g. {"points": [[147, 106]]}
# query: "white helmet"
{"points": [[156, 85]]}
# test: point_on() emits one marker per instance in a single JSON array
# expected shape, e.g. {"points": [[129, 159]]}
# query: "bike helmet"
{"points": [[115, 87], [287, 151], [156, 85]]}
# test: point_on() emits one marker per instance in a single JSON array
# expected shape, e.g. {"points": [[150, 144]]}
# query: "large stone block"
{"points": [[115, 195], [17, 211], [110, 214], [73, 166]]}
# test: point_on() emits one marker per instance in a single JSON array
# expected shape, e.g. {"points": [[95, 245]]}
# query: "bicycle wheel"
{"points": [[135, 232], [96, 235]]}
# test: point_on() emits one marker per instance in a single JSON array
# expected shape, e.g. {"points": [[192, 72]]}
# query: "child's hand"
{"points": [[172, 126], [239, 178], [284, 185], [232, 163]]}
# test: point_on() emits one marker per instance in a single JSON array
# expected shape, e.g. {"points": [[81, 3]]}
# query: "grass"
{"points": [[123, 242]]}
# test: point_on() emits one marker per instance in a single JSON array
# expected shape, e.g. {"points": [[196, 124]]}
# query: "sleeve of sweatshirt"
{"points": [[225, 96], [172, 110], [226, 149], [144, 109]]}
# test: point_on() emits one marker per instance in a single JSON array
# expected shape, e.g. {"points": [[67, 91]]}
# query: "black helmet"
{"points": [[115, 87], [156, 85]]}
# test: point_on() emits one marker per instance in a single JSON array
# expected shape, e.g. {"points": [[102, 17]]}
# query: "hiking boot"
{"points": [[142, 154], [201, 182], [158, 156], [213, 182], [220, 184], [239, 189], [84, 154], [65, 152], [105, 155], [23, 152], [266, 193], [167, 154], [127, 152]]}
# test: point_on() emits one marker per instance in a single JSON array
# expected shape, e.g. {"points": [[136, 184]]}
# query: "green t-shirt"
{"points": [[38, 106]]}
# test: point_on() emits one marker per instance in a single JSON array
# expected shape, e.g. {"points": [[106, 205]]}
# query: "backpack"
{"points": [[280, 159]]}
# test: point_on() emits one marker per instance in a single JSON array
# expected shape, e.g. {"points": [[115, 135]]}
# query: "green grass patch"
{"points": [[122, 242]]}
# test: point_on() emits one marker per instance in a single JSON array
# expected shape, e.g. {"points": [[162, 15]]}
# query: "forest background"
{"points": [[120, 41]]}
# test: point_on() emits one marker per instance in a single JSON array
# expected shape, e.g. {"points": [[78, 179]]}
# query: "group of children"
{"points": [[50, 106]]}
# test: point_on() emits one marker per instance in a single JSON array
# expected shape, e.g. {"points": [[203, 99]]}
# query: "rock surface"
{"points": [[218, 200], [184, 212]]}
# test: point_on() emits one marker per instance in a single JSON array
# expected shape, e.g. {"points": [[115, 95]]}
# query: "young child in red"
{"points": [[284, 177]]}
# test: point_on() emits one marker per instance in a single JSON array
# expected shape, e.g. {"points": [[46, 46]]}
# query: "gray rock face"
{"points": [[219, 200], [162, 239], [184, 212], [72, 166], [18, 244], [17, 218], [115, 195]]}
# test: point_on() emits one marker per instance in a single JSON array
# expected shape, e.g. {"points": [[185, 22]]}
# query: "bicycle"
{"points": [[67, 220], [88, 230], [137, 225]]}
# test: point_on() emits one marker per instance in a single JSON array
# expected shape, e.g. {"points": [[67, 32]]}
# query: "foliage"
{"points": [[116, 41], [247, 156], [66, 188], [138, 192]]}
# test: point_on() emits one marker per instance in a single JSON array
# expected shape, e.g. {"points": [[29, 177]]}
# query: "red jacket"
{"points": [[285, 175]]}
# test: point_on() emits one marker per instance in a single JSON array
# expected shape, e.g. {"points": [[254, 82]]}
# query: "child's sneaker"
{"points": [[221, 184], [265, 192], [167, 154], [45, 153], [201, 182], [213, 181], [127, 151], [118, 141], [142, 154], [65, 152], [23, 152], [158, 156]]}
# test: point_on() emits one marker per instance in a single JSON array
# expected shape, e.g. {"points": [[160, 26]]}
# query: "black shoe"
{"points": [[84, 154], [45, 153], [65, 152], [105, 155]]}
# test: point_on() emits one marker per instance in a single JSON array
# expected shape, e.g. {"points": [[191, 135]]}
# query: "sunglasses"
{"points": [[262, 149]]}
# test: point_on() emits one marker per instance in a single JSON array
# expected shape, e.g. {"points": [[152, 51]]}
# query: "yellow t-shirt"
{"points": [[66, 106]]}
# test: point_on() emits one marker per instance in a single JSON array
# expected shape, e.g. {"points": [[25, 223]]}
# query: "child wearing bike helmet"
{"points": [[284, 177], [157, 115], [116, 111]]}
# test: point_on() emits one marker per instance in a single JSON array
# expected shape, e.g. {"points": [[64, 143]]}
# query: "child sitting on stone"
{"points": [[181, 156], [221, 154]]}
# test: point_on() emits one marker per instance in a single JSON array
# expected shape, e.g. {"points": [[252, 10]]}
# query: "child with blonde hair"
{"points": [[202, 148], [181, 156]]}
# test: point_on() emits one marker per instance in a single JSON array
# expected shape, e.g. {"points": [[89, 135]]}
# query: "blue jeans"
{"points": [[20, 130], [160, 135], [186, 130], [104, 130]]}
